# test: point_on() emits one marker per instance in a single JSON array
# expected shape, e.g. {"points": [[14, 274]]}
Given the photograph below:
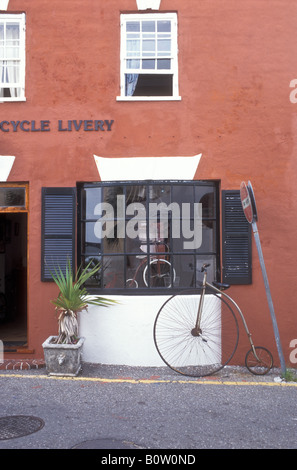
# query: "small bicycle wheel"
{"points": [[261, 363], [158, 273], [187, 351], [132, 283]]}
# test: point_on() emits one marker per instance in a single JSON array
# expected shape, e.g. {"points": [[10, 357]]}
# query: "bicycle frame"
{"points": [[196, 331]]}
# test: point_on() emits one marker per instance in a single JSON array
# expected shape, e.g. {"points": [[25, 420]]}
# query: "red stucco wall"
{"points": [[236, 61]]}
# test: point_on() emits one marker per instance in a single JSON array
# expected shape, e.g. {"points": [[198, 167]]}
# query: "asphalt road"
{"points": [[120, 411]]}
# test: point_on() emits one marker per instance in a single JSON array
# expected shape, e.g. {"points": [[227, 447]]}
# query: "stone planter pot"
{"points": [[62, 359], [148, 4]]}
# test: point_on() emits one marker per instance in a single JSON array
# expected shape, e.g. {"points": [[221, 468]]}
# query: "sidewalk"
{"points": [[122, 373]]}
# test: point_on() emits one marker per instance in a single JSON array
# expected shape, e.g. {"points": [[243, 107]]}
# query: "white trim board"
{"points": [[6, 163], [147, 168], [4, 4]]}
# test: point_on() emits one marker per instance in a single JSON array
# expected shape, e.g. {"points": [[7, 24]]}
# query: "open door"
{"points": [[13, 267]]}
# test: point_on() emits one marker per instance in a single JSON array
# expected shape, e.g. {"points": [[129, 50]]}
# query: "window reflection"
{"points": [[139, 232]]}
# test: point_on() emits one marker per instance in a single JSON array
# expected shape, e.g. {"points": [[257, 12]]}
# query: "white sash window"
{"points": [[149, 56], [12, 57]]}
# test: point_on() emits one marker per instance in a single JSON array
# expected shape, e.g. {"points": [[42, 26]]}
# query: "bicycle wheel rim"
{"points": [[196, 356], [158, 273], [261, 364]]}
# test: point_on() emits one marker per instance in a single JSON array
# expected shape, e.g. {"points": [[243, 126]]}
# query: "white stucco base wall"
{"points": [[122, 334]]}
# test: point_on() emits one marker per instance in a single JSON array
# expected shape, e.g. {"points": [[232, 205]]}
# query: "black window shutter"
{"points": [[58, 229], [237, 240]]}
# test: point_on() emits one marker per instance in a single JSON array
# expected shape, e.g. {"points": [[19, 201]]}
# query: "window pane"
{"points": [[211, 270], [148, 64], [183, 273], [10, 197], [136, 265], [133, 26], [149, 85], [91, 197], [96, 280], [133, 46], [12, 31], [136, 193], [148, 26], [163, 26], [163, 64], [164, 45], [182, 193], [91, 239], [208, 237], [206, 195], [133, 64], [148, 45], [113, 272], [160, 193]]}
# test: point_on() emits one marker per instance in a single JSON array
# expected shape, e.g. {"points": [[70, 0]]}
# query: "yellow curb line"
{"points": [[152, 381]]}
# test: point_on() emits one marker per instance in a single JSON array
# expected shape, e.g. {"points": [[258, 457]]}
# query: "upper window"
{"points": [[149, 56], [12, 57]]}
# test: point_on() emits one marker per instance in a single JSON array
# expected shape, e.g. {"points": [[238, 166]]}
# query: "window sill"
{"points": [[148, 98], [11, 100]]}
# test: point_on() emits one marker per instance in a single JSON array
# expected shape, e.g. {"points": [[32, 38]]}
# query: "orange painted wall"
{"points": [[236, 61]]}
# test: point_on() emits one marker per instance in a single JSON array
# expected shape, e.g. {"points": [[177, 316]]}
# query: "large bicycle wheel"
{"points": [[261, 363], [158, 273], [185, 350]]}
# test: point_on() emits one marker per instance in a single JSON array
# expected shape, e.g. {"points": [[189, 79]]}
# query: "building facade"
{"points": [[112, 111]]}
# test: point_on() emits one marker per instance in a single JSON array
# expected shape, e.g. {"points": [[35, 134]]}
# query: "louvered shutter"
{"points": [[58, 229], [237, 241]]}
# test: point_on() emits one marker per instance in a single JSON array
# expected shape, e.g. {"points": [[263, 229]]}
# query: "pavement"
{"points": [[129, 374], [143, 408]]}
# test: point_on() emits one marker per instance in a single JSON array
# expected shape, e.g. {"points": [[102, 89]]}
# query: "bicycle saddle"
{"points": [[220, 285]]}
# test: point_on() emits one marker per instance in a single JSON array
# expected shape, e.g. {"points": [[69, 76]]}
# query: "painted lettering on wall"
{"points": [[85, 125]]}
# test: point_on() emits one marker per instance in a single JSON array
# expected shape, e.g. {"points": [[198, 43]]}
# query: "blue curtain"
{"points": [[131, 82]]}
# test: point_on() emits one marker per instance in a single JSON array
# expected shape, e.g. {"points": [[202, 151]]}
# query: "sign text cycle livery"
{"points": [[86, 125]]}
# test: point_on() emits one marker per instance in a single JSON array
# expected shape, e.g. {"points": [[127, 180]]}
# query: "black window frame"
{"points": [[81, 221]]}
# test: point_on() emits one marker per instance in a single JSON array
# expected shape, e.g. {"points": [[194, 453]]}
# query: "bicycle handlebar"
{"points": [[204, 267]]}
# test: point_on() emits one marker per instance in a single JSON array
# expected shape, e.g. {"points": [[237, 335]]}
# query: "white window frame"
{"points": [[21, 19], [174, 57]]}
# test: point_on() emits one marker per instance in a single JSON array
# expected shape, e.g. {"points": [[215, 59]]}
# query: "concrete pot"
{"points": [[62, 359]]}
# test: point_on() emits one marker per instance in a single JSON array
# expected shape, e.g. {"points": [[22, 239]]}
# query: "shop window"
{"points": [[237, 240], [149, 236], [149, 69], [12, 57]]}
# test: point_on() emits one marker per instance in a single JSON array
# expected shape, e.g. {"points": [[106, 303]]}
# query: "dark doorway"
{"points": [[13, 280]]}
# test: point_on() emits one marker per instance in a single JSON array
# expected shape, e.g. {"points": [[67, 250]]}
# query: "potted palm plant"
{"points": [[62, 353]]}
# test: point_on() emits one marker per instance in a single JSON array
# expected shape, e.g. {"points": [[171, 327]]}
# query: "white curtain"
{"points": [[132, 62], [9, 64]]}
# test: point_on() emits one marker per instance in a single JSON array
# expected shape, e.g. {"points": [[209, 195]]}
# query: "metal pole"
{"points": [[269, 298]]}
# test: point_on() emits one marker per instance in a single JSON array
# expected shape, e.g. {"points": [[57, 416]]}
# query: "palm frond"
{"points": [[72, 293]]}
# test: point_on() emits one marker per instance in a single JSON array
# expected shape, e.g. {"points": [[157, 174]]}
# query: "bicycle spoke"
{"points": [[202, 354], [261, 363], [158, 273]]}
